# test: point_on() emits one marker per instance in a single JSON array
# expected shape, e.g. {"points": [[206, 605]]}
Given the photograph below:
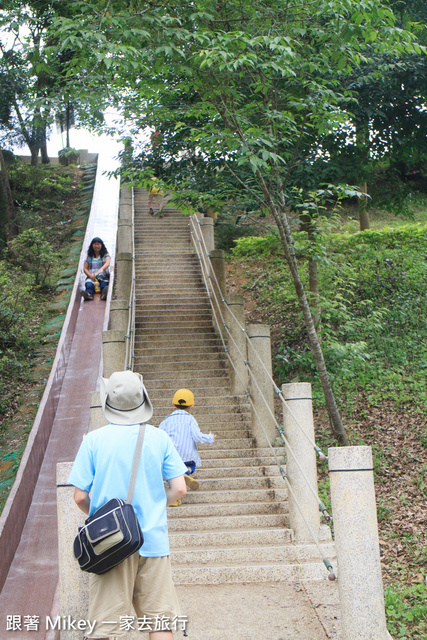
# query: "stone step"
{"points": [[150, 253], [241, 454], [207, 425], [228, 422], [162, 295], [235, 495], [160, 271], [225, 537], [209, 414], [173, 229], [190, 307], [245, 554], [224, 428], [187, 381], [215, 356], [172, 327], [239, 484], [160, 240], [145, 259], [212, 363], [245, 572], [236, 472], [199, 318], [229, 443], [205, 402], [167, 392], [146, 276], [162, 243], [182, 379], [163, 345], [225, 465], [230, 516], [161, 287], [158, 286], [160, 352]]}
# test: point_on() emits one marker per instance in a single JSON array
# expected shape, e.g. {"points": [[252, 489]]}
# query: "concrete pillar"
{"points": [[73, 582], [125, 194], [259, 336], [119, 315], [124, 235], [356, 540], [113, 352], [97, 418], [125, 211], [217, 258], [238, 373], [123, 275], [298, 397], [207, 229], [211, 213]]}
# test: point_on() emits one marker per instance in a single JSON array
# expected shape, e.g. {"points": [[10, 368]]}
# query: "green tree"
{"points": [[266, 85], [8, 226]]}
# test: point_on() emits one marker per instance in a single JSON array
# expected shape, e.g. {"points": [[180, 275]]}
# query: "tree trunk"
{"points": [[45, 156], [363, 212], [34, 155], [68, 124], [43, 148], [308, 225], [288, 248], [313, 283], [12, 229], [362, 143]]}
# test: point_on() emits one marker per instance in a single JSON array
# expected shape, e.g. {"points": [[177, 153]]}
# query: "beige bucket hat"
{"points": [[124, 398]]}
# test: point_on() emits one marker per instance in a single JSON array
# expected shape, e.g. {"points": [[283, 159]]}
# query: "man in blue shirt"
{"points": [[184, 432], [101, 471]]}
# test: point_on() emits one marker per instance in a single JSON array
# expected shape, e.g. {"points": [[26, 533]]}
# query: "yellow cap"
{"points": [[183, 398]]}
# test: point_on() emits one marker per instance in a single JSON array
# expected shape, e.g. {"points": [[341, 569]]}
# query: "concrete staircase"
{"points": [[235, 527]]}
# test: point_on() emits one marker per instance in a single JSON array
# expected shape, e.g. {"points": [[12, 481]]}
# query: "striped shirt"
{"points": [[184, 432]]}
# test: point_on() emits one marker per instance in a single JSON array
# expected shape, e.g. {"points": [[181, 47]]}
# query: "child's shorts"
{"points": [[192, 465]]}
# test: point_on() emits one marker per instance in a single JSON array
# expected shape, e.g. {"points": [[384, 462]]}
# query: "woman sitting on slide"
{"points": [[96, 268]]}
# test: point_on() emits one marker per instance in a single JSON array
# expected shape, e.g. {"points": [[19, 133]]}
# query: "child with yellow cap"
{"points": [[185, 433]]}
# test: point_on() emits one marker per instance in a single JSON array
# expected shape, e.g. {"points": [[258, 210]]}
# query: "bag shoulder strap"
{"points": [[135, 463]]}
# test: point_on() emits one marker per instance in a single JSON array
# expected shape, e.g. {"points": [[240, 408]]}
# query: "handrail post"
{"points": [[262, 397], [239, 372], [207, 229], [217, 258], [97, 418], [119, 315], [124, 235], [123, 275], [360, 584], [125, 195], [113, 352], [298, 396]]}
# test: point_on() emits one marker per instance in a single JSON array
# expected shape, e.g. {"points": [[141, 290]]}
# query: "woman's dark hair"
{"points": [[91, 252]]}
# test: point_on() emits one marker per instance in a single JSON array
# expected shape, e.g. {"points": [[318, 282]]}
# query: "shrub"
{"points": [[32, 252], [406, 610], [254, 246]]}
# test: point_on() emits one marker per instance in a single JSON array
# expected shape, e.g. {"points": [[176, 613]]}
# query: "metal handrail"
{"points": [[322, 456], [130, 333], [208, 275]]}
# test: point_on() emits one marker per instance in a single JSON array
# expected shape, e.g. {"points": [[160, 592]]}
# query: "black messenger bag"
{"points": [[112, 533]]}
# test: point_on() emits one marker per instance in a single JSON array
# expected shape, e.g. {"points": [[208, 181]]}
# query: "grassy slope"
{"points": [[374, 331], [53, 201]]}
